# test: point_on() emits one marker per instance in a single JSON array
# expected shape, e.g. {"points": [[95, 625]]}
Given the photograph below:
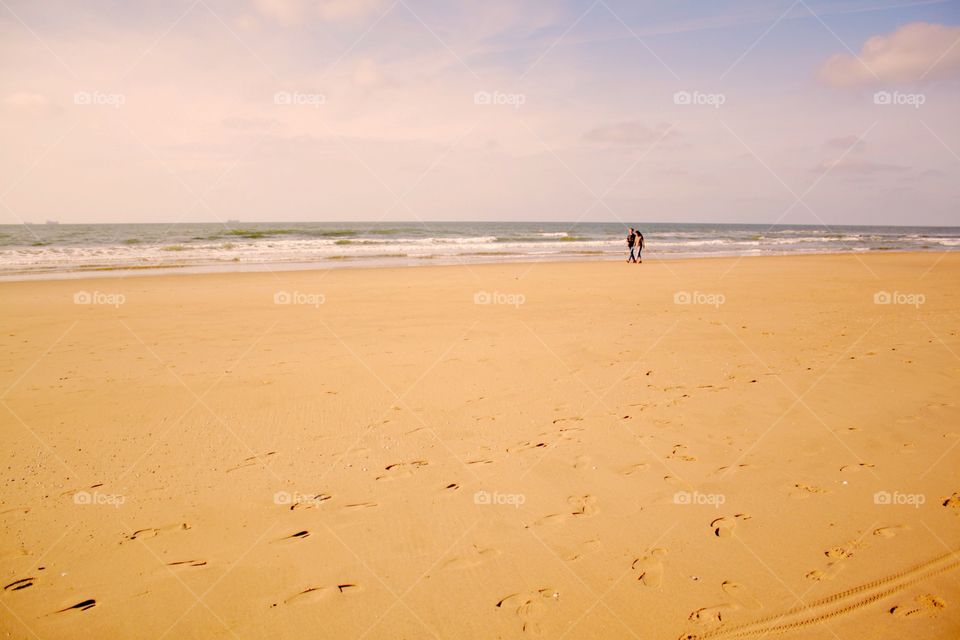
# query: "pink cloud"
{"points": [[912, 53]]}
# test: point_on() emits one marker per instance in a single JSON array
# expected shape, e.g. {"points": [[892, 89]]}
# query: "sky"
{"points": [[790, 112]]}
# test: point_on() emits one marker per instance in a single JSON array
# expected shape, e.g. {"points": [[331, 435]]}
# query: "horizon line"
{"points": [[235, 222]]}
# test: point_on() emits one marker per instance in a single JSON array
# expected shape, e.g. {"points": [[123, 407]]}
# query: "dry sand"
{"points": [[400, 462]]}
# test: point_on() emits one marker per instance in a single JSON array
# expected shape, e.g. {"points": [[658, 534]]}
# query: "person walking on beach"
{"points": [[638, 245], [631, 240]]}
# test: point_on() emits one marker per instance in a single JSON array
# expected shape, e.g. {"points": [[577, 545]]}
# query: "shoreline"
{"points": [[125, 273]]}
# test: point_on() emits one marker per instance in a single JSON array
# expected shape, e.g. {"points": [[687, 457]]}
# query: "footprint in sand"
{"points": [[310, 594], [800, 491], [854, 468], [724, 525], [401, 469], [583, 549], [473, 558], [551, 520], [354, 506], [952, 502], [17, 585], [680, 453], [838, 553], [634, 468], [676, 482], [303, 502], [314, 594], [80, 496], [649, 568], [569, 433], [21, 510], [832, 571], [259, 459], [729, 469], [83, 605], [299, 535], [527, 445], [531, 607], [739, 594], [583, 462], [188, 563], [153, 532], [925, 605], [710, 616], [583, 505], [889, 532], [842, 552]]}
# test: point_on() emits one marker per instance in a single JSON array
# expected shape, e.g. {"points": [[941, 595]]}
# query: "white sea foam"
{"points": [[64, 248]]}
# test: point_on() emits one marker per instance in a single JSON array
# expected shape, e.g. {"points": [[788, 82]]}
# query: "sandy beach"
{"points": [[715, 448]]}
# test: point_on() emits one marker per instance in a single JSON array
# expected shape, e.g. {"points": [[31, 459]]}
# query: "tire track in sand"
{"points": [[837, 604]]}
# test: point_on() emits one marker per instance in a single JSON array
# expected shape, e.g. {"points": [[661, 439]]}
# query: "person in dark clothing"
{"points": [[631, 241]]}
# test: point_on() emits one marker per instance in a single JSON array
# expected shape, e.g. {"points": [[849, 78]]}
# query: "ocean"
{"points": [[72, 250]]}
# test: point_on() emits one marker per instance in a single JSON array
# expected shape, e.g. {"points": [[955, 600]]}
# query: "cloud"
{"points": [[846, 155], [633, 133], [845, 142], [249, 124], [26, 101], [336, 10], [293, 12], [859, 166], [367, 74], [912, 53]]}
